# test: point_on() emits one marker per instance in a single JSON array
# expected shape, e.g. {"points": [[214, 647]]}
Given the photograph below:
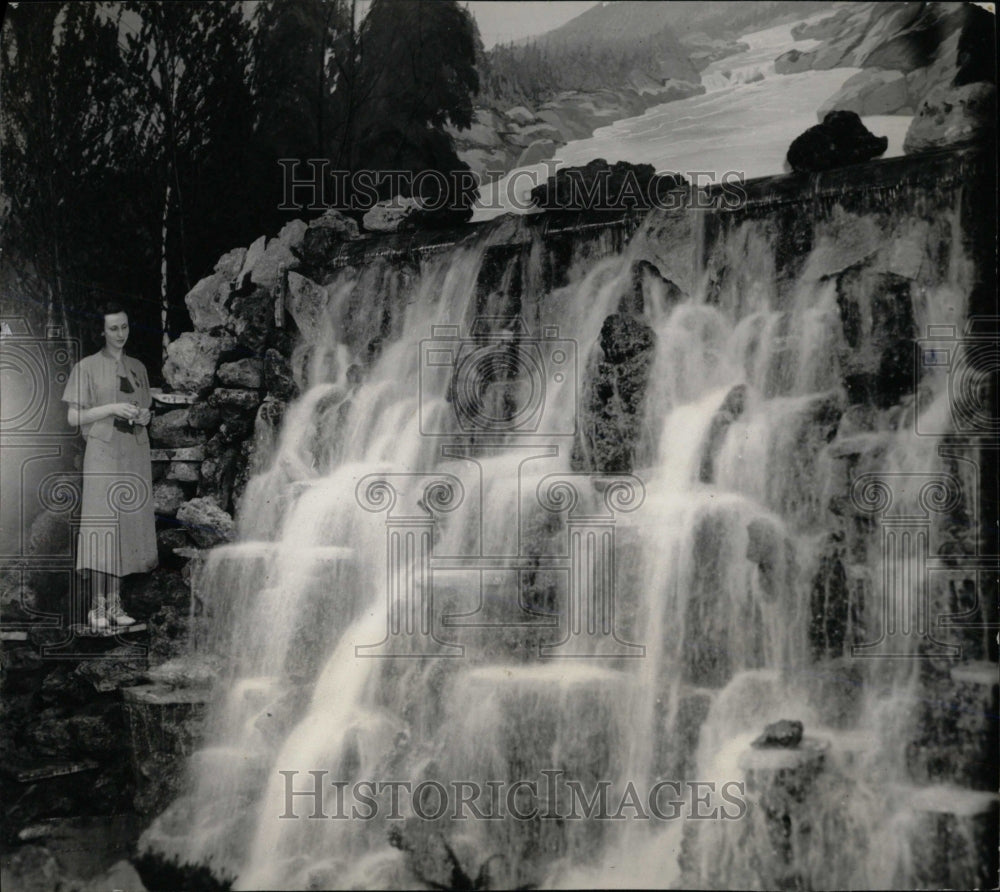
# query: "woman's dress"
{"points": [[117, 521]]}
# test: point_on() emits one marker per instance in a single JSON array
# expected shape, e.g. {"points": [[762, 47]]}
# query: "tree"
{"points": [[186, 71]]}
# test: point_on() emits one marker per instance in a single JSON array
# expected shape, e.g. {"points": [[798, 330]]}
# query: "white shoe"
{"points": [[98, 620], [121, 619]]}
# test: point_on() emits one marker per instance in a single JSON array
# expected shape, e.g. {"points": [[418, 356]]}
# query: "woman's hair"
{"points": [[106, 308]]}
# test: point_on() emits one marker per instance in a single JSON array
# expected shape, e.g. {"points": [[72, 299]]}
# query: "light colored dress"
{"points": [[117, 521]]}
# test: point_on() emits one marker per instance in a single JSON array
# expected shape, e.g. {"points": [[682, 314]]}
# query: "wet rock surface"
{"points": [[784, 734]]}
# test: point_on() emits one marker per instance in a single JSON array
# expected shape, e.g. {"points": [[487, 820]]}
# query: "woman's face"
{"points": [[116, 330]]}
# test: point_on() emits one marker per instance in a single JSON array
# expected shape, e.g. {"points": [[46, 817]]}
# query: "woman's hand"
{"points": [[144, 417], [124, 411]]}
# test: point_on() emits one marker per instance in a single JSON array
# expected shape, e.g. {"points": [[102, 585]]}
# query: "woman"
{"points": [[108, 396]]}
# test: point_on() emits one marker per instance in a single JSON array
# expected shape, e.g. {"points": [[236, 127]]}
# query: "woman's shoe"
{"points": [[98, 620], [121, 619]]}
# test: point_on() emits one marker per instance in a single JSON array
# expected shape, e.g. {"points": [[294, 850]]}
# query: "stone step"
{"points": [[953, 838]]}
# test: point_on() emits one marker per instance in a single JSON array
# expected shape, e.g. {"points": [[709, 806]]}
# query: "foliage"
{"points": [[141, 139]]}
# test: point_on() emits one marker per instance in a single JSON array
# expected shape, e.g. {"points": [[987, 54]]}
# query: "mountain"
{"points": [[636, 19]]}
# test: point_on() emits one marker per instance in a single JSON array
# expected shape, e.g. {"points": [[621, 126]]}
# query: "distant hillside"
{"points": [[627, 46], [626, 19]]}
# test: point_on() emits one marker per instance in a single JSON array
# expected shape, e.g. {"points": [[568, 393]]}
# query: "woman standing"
{"points": [[108, 396]]}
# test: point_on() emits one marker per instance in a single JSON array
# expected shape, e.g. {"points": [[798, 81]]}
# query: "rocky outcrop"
{"points": [[931, 44], [599, 186], [953, 117], [498, 142], [870, 92], [839, 140], [192, 359]]}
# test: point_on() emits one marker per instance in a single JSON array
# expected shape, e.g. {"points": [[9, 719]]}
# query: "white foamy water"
{"points": [[744, 123]]}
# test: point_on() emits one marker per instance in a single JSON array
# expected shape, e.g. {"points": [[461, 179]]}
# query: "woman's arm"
{"points": [[77, 416]]}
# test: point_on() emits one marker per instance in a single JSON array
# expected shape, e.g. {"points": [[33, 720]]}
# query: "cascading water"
{"points": [[714, 558]]}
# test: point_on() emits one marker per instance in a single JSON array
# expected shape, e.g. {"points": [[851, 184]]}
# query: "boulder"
{"points": [[783, 734], [520, 115], [203, 417], [793, 62], [232, 399], [869, 92], [168, 496], [276, 259], [206, 302], [841, 139], [206, 522], [292, 233], [171, 430], [241, 373], [230, 263], [307, 303], [278, 379], [254, 253], [183, 471], [192, 360], [390, 216], [336, 223], [953, 117]]}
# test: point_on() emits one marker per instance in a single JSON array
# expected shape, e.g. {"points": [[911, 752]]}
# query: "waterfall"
{"points": [[707, 574]]}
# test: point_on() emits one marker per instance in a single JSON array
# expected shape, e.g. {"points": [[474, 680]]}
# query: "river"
{"points": [[743, 123]]}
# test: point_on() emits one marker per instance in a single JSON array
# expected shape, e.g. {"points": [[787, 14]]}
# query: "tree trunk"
{"points": [[164, 300]]}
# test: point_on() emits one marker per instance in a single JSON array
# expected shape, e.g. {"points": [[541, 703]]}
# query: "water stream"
{"points": [[401, 604]]}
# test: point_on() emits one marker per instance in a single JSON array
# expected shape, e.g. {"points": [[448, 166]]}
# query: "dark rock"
{"points": [[192, 360], [241, 373], [784, 734], [278, 380], [324, 235], [118, 668], [203, 417], [206, 522], [147, 593], [646, 277], [876, 312], [231, 399], [953, 117], [623, 337], [183, 471], [169, 539], [167, 498], [731, 409], [171, 430], [840, 140], [252, 319], [598, 186]]}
